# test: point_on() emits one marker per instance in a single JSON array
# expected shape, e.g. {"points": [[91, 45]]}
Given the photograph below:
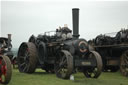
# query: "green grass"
{"points": [[42, 78]]}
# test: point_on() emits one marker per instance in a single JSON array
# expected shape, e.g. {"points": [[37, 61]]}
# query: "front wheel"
{"points": [[5, 70], [64, 65], [94, 72]]}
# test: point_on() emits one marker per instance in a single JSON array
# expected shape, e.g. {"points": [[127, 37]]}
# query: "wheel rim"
{"points": [[23, 58], [64, 65], [124, 64], [3, 71], [94, 72]]}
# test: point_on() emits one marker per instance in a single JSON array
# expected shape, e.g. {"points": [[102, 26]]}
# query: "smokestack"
{"points": [[9, 42], [75, 14], [9, 37]]}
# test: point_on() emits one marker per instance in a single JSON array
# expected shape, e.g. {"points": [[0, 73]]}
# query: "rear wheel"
{"points": [[94, 72], [64, 65], [124, 63], [5, 70], [27, 57]]}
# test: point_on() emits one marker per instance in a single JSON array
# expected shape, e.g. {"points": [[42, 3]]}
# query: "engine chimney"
{"points": [[9, 37], [9, 42], [75, 14]]}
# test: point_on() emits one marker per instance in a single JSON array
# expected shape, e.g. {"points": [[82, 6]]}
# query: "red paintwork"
{"points": [[2, 69]]}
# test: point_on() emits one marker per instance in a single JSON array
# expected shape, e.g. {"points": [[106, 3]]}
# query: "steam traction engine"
{"points": [[61, 53], [5, 63], [114, 51]]}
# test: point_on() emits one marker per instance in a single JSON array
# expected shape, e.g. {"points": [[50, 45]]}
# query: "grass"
{"points": [[42, 78]]}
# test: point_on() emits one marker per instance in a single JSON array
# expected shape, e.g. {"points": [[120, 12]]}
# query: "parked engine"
{"points": [[62, 53], [5, 63], [113, 51]]}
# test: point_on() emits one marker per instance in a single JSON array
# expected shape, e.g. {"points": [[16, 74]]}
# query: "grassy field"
{"points": [[42, 78]]}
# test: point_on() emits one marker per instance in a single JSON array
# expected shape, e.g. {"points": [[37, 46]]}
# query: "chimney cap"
{"points": [[75, 9]]}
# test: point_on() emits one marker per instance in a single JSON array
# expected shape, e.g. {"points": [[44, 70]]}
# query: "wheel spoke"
{"points": [[126, 62], [59, 70], [22, 64], [63, 63], [25, 68], [126, 57]]}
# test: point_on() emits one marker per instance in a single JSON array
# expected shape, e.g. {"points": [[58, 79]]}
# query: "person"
{"points": [[64, 32], [65, 29], [2, 46]]}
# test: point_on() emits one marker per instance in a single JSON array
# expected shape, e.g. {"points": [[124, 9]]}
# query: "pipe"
{"points": [[75, 14]]}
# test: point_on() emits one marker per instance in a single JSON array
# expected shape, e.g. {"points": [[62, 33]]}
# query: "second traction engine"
{"points": [[114, 50]]}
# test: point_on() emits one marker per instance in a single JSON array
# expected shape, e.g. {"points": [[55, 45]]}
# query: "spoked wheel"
{"points": [[5, 70], [94, 72], [27, 57], [124, 63], [64, 65]]}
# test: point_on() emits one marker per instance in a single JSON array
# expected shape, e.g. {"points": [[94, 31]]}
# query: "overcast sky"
{"points": [[24, 18]]}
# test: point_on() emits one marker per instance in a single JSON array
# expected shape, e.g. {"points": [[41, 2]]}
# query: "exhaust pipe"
{"points": [[9, 42], [9, 37], [75, 14]]}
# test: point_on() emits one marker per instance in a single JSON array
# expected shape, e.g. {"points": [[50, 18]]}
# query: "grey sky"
{"points": [[22, 18]]}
